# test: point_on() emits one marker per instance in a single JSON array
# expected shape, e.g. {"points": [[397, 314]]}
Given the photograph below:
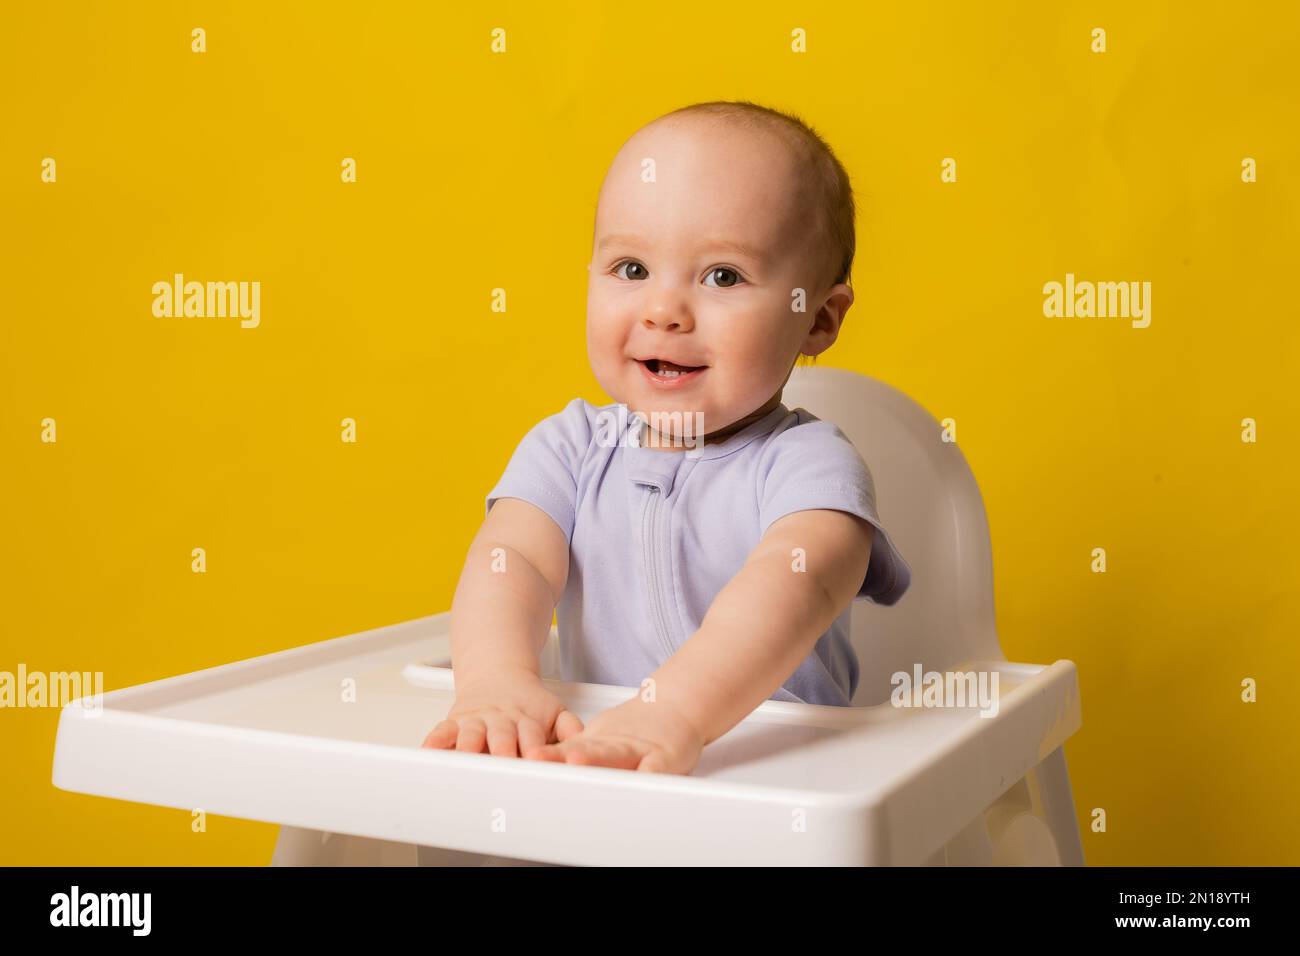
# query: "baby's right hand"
{"points": [[512, 714]]}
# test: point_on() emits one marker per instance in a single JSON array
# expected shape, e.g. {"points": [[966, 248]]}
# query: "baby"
{"points": [[697, 539]]}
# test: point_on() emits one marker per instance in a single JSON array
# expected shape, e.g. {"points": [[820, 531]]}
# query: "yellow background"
{"points": [[477, 171]]}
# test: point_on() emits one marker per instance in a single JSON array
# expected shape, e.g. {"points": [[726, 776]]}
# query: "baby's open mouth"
{"points": [[666, 369]]}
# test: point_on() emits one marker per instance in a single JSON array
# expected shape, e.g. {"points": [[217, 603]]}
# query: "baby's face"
{"points": [[699, 266]]}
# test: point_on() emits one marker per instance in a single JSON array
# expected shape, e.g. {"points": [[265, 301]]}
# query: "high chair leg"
{"points": [[296, 846], [437, 856], [1055, 804], [1031, 824]]}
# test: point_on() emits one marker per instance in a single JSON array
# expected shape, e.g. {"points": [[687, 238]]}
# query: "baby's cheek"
{"points": [[602, 344]]}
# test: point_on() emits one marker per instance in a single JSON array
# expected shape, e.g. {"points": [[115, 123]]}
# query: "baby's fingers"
{"points": [[591, 752], [442, 736], [473, 734], [502, 737], [567, 725], [531, 735], [500, 734], [603, 752], [653, 762]]}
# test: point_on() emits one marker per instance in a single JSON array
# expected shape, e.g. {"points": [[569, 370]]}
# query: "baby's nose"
{"points": [[665, 316]]}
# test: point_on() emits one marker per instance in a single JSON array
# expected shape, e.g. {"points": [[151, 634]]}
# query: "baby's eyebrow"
{"points": [[744, 248]]}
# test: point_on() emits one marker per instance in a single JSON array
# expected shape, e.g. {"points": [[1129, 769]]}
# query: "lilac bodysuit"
{"points": [[654, 535]]}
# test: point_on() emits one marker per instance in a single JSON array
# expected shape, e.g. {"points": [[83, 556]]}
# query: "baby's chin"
{"points": [[683, 421], [679, 417]]}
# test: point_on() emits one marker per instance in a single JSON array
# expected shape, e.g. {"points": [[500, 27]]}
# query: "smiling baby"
{"points": [[697, 540]]}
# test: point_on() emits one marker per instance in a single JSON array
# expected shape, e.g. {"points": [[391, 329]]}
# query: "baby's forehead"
{"points": [[731, 137], [741, 179]]}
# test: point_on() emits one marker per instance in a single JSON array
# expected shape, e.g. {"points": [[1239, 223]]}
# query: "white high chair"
{"points": [[325, 739]]}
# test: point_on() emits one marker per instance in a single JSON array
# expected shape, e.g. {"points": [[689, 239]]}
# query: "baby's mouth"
{"points": [[666, 369]]}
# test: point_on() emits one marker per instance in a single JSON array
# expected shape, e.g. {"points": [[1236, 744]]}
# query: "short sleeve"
{"points": [[543, 470], [814, 465]]}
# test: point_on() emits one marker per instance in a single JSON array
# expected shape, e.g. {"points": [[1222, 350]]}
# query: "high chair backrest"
{"points": [[928, 500]]}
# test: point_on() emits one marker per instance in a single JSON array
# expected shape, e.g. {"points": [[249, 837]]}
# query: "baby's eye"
{"points": [[722, 272], [631, 262]]}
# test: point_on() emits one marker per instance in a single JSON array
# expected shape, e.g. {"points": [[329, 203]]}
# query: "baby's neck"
{"points": [[712, 438]]}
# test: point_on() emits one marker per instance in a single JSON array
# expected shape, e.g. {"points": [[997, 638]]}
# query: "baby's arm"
{"points": [[514, 575], [766, 620], [501, 611]]}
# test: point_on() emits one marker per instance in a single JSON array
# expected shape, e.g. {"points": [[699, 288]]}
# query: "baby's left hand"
{"points": [[635, 735]]}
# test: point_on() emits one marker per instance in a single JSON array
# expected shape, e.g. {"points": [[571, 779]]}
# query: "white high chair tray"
{"points": [[273, 739]]}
